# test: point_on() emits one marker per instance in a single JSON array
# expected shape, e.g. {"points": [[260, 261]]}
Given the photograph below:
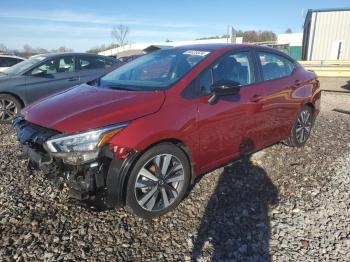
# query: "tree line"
{"points": [[252, 36], [28, 50], [119, 33], [249, 36]]}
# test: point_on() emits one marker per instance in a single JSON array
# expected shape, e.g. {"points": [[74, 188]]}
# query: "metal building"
{"points": [[327, 35]]}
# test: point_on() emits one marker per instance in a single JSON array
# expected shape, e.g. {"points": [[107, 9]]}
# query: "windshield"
{"points": [[155, 71], [23, 66]]}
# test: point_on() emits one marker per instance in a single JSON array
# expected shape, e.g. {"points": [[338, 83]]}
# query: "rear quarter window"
{"points": [[275, 66]]}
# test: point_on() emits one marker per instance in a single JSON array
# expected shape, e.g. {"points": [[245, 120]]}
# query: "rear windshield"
{"points": [[155, 71]]}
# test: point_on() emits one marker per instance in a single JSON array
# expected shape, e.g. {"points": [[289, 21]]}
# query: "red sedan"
{"points": [[140, 135]]}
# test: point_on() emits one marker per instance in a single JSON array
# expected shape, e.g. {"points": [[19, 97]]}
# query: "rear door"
{"points": [[91, 67], [277, 104], [51, 76]]}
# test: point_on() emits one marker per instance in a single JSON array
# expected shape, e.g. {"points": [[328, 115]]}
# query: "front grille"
{"points": [[30, 134]]}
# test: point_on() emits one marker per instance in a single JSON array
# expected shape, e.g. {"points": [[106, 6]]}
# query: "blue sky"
{"points": [[84, 24]]}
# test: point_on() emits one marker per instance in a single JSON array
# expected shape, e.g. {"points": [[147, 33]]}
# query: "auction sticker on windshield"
{"points": [[196, 52]]}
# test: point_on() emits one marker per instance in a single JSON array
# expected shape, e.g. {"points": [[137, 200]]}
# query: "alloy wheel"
{"points": [[159, 182], [8, 109], [303, 127]]}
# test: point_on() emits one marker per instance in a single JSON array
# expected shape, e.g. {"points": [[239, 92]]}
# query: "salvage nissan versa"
{"points": [[139, 135]]}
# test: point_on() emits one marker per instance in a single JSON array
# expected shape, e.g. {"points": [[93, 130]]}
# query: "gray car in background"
{"points": [[42, 75], [7, 61]]}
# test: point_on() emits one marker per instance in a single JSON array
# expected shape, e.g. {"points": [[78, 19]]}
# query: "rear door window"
{"points": [[111, 62], [91, 63], [275, 66]]}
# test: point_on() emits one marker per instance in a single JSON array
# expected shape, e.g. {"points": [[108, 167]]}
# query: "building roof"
{"points": [[311, 11], [142, 46], [328, 10]]}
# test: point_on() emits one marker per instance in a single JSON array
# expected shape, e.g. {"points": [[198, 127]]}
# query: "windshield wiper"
{"points": [[126, 88]]}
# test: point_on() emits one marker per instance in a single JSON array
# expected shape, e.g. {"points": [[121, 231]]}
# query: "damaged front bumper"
{"points": [[102, 179]]}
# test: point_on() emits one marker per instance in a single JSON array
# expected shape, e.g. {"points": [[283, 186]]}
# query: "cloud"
{"points": [[78, 31], [67, 16]]}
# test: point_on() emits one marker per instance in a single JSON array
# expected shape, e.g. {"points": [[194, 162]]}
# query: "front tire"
{"points": [[302, 128], [158, 181], [9, 107]]}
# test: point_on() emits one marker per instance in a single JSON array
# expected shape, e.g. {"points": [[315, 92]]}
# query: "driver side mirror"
{"points": [[37, 72], [223, 88]]}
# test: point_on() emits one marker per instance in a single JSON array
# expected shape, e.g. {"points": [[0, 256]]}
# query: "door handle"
{"points": [[71, 79], [255, 98]]}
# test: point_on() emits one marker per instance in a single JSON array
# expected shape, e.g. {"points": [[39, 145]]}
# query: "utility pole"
{"points": [[232, 35]]}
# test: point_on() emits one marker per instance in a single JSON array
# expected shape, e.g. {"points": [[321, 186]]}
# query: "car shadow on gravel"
{"points": [[236, 224]]}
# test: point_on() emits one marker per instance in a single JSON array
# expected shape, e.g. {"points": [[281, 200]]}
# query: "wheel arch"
{"points": [[15, 96], [311, 105], [313, 108], [173, 141], [119, 194]]}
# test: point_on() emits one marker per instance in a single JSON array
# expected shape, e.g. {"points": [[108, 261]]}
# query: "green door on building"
{"points": [[295, 52]]}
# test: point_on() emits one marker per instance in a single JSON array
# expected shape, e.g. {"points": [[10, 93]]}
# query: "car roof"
{"points": [[12, 56], [217, 47], [50, 55], [211, 46]]}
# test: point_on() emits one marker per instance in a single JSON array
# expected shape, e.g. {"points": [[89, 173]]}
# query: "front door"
{"points": [[51, 76], [222, 126]]}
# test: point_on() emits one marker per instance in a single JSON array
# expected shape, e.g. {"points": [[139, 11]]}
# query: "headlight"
{"points": [[81, 147]]}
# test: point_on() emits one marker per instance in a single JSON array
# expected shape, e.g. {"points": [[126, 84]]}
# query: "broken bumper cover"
{"points": [[33, 138], [103, 178], [30, 134]]}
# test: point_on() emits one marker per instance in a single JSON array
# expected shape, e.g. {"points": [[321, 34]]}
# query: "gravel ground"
{"points": [[335, 83], [285, 204]]}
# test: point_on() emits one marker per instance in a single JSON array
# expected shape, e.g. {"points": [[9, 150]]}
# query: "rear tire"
{"points": [[9, 107], [158, 181], [302, 128]]}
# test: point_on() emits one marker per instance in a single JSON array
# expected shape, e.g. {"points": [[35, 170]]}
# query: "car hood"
{"points": [[85, 107]]}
